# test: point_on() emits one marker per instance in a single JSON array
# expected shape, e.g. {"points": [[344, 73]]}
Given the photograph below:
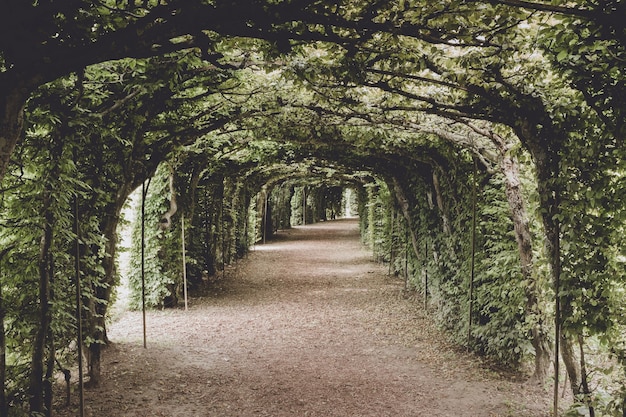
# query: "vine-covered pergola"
{"points": [[482, 141]]}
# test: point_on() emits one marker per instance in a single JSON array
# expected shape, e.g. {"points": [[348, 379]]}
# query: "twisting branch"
{"points": [[166, 219], [544, 7], [119, 103], [118, 10]]}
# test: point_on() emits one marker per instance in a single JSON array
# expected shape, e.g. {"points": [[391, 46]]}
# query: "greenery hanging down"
{"points": [[481, 144]]}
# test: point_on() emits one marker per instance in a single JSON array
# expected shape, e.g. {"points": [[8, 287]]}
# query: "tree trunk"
{"points": [[584, 377], [50, 362], [11, 122], [509, 168], [102, 292], [544, 150], [36, 386], [40, 386], [392, 230], [192, 199], [3, 398], [403, 201], [440, 205], [572, 365], [166, 219]]}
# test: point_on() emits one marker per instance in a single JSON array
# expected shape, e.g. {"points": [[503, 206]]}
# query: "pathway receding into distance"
{"points": [[306, 325]]}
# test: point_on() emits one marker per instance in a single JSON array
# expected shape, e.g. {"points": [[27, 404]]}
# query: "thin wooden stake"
{"points": [[425, 275], [391, 241], [265, 217], [79, 310], [223, 233], [473, 258], [406, 257], [3, 398], [4, 407], [184, 261], [304, 205], [557, 344], [246, 225], [557, 310], [144, 191]]}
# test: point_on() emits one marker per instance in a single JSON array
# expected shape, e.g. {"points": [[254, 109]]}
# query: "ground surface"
{"points": [[307, 325]]}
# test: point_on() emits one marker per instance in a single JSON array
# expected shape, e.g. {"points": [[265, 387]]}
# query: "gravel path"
{"points": [[306, 325]]}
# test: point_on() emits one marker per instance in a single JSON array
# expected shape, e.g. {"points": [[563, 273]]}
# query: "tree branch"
{"points": [[543, 7]]}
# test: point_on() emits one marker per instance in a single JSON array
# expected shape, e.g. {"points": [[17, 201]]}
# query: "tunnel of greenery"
{"points": [[479, 142]]}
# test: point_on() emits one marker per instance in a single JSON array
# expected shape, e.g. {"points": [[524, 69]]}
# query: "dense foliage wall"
{"points": [[162, 263], [36, 267], [429, 245], [217, 210]]}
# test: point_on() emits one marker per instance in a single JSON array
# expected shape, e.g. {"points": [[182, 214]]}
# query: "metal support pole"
{"points": [[79, 310], [406, 257], [223, 233], [265, 217], [425, 274], [557, 317], [304, 205], [391, 230], [184, 261], [473, 258], [144, 191]]}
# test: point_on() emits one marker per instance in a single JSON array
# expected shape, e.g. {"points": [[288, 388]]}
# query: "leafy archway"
{"points": [[404, 95]]}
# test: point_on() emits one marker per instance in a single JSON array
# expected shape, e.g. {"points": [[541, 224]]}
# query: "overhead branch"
{"points": [[545, 7], [428, 80], [119, 103], [487, 157], [385, 86], [490, 134]]}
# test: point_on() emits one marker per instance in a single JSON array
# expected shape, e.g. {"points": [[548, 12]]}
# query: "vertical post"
{"points": [[207, 229], [246, 225], [264, 216], [4, 407], [406, 257], [472, 260], [557, 332], [391, 240], [79, 310], [425, 274], [223, 233], [304, 205], [144, 190], [182, 217], [3, 399]]}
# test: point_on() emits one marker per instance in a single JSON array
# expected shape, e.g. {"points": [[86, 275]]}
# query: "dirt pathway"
{"points": [[307, 325]]}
